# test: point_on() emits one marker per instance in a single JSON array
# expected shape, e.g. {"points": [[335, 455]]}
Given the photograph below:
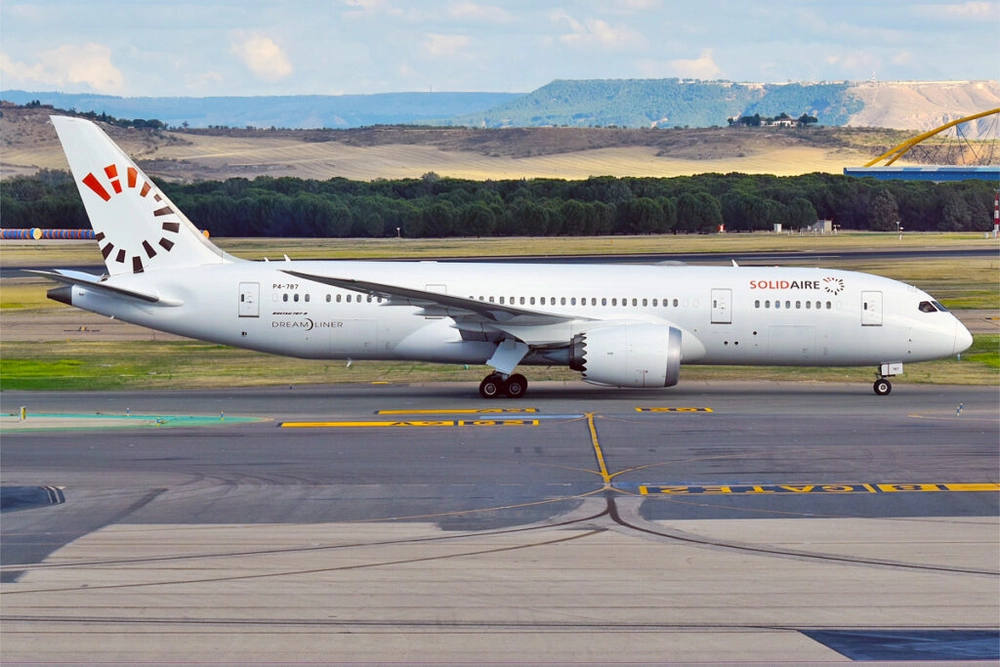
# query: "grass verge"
{"points": [[191, 365]]}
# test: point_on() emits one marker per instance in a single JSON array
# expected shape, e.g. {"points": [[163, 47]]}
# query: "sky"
{"points": [[197, 48]]}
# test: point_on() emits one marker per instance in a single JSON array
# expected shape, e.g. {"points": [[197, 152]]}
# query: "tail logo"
{"points": [[110, 187]]}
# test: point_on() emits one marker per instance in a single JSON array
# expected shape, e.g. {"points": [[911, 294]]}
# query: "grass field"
{"points": [[75, 365]]}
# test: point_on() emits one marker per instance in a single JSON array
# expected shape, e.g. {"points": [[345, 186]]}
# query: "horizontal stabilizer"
{"points": [[94, 283]]}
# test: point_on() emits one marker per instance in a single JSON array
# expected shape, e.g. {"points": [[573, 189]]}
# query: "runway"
{"points": [[712, 521]]}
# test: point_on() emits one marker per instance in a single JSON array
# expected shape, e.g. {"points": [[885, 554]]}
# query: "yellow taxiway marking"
{"points": [[461, 411], [763, 489], [433, 423], [597, 449], [673, 409]]}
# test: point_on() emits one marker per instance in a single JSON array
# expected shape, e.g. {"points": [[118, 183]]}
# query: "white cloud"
{"points": [[87, 67], [262, 55], [596, 32], [702, 67], [477, 12], [443, 46], [966, 11]]}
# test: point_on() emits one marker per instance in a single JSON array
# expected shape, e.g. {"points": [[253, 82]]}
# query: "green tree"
{"points": [[883, 212]]}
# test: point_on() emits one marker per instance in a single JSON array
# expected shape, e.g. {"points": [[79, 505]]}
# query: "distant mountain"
{"points": [[634, 103], [291, 112], [667, 103]]}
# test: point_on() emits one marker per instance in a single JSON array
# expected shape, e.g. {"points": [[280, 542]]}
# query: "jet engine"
{"points": [[628, 354]]}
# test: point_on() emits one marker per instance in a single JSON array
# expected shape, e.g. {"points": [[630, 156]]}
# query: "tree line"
{"points": [[432, 206]]}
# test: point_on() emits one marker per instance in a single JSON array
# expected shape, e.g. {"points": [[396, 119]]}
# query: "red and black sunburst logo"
{"points": [[833, 285], [132, 184]]}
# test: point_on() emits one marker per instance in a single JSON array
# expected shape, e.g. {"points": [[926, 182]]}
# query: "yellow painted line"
{"points": [[388, 424], [597, 449], [673, 410], [987, 486], [462, 411], [803, 489]]}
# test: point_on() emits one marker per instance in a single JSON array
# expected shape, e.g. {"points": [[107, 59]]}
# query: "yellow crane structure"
{"points": [[899, 151]]}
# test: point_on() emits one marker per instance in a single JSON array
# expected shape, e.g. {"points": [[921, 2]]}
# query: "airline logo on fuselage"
{"points": [[829, 284]]}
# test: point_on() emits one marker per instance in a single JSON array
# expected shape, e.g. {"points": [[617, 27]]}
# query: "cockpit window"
{"points": [[931, 307]]}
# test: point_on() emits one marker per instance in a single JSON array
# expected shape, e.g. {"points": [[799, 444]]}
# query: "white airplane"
{"points": [[619, 325]]}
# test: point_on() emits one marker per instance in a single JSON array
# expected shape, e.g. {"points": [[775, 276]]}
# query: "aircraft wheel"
{"points": [[882, 387], [517, 384], [491, 386]]}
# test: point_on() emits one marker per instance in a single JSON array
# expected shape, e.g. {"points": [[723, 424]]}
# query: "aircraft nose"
{"points": [[963, 339]]}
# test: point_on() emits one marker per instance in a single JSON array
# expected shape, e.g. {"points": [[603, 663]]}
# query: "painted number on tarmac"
{"points": [[387, 424], [764, 489], [673, 409]]}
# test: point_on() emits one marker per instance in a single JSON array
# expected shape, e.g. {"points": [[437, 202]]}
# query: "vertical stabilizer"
{"points": [[137, 227]]}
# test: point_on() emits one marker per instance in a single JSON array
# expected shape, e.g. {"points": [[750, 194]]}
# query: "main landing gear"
{"points": [[496, 386]]}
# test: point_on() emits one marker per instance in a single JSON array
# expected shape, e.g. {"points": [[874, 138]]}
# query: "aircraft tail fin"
{"points": [[137, 227]]}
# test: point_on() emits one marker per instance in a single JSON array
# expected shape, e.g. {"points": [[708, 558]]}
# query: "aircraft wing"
{"points": [[91, 281], [434, 304]]}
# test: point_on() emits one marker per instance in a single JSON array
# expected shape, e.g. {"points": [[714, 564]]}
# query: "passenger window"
{"points": [[532, 301], [604, 300], [614, 302], [541, 301], [338, 298], [798, 304], [349, 298], [369, 298], [284, 297], [572, 301], [675, 303], [522, 300], [777, 304], [756, 304], [307, 298], [767, 304], [644, 302], [562, 301], [328, 298], [788, 304], [491, 299], [654, 303], [829, 305]]}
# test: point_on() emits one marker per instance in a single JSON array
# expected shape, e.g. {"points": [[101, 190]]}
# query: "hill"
{"points": [[630, 103], [301, 111], [29, 143]]}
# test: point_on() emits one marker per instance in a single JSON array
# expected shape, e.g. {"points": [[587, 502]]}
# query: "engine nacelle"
{"points": [[628, 354]]}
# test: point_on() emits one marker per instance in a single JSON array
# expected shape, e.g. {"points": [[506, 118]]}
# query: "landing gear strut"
{"points": [[495, 386]]}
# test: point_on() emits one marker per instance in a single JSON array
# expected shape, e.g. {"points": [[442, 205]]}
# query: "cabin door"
{"points": [[871, 309], [249, 300], [722, 301]]}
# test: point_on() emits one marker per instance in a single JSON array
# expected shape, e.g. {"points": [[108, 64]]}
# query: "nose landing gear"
{"points": [[882, 385], [495, 385]]}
